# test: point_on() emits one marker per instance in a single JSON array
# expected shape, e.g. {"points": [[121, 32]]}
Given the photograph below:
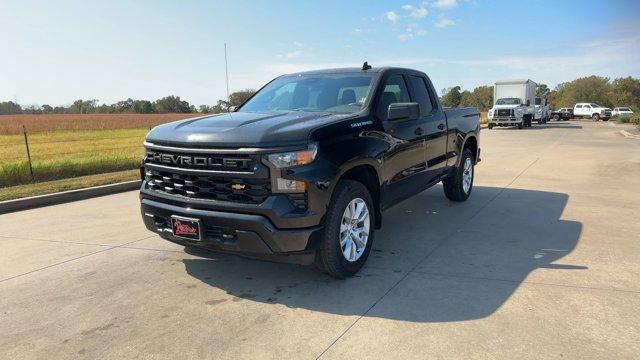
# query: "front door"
{"points": [[404, 163]]}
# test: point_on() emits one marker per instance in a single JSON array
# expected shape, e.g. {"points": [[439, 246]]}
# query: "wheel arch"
{"points": [[368, 175]]}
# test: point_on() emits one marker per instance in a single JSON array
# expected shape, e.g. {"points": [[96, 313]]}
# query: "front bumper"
{"points": [[505, 121], [247, 234]]}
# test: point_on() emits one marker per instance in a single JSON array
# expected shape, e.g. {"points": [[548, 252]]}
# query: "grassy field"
{"points": [[65, 154]]}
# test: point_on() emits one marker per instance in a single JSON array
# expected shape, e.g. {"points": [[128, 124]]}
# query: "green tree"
{"points": [[10, 108], [171, 104], [47, 109], [626, 92], [142, 107], [452, 97], [542, 89], [481, 98], [239, 97], [593, 89]]}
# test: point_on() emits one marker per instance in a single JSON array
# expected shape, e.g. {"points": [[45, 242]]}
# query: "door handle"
{"points": [[441, 126], [418, 131]]}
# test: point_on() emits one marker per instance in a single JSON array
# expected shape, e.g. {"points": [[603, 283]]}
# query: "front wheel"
{"points": [[520, 126], [490, 126], [556, 117], [458, 186], [346, 240], [595, 117]]}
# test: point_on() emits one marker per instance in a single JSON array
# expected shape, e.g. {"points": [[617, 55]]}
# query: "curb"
{"points": [[629, 135], [66, 196]]}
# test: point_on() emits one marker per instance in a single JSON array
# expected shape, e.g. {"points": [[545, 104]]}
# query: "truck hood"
{"points": [[243, 129]]}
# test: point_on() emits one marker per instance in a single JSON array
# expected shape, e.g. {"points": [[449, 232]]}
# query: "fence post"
{"points": [[26, 143]]}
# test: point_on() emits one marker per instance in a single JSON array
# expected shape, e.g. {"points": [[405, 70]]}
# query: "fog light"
{"points": [[290, 186]]}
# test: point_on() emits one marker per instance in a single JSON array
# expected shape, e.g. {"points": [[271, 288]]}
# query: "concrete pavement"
{"points": [[543, 261]]}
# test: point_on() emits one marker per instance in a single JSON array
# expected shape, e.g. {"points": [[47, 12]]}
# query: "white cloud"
{"points": [[405, 37], [360, 31], [291, 55], [445, 23], [297, 43], [421, 32], [446, 4], [419, 13], [392, 16], [407, 7]]}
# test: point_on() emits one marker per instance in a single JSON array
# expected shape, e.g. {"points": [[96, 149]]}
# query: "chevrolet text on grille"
{"points": [[189, 160]]}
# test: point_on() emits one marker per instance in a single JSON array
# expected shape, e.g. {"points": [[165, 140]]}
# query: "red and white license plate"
{"points": [[186, 228]]}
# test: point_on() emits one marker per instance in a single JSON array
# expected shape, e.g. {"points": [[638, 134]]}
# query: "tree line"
{"points": [[595, 89], [167, 104]]}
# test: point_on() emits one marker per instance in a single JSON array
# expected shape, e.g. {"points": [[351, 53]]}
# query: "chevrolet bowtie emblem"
{"points": [[238, 186]]}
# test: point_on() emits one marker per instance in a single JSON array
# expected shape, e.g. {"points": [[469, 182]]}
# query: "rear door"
{"points": [[404, 163], [434, 126]]}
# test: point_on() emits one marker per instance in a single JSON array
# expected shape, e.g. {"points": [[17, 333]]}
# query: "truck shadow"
{"points": [[442, 261]]}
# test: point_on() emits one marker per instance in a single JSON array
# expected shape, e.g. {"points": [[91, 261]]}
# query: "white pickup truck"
{"points": [[591, 110]]}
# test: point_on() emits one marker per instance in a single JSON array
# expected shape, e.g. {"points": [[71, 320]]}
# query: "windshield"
{"points": [[508, 101], [333, 93], [595, 105]]}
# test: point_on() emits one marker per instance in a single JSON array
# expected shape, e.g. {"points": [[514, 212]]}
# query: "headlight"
{"points": [[293, 158], [539, 111], [519, 112], [490, 113]]}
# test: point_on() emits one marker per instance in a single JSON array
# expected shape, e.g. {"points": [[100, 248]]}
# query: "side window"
{"points": [[421, 95], [578, 106], [394, 91]]}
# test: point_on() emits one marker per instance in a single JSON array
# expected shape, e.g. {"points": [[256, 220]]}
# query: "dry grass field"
{"points": [[69, 146], [12, 124]]}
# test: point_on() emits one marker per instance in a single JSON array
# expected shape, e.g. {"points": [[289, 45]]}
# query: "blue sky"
{"points": [[57, 51]]}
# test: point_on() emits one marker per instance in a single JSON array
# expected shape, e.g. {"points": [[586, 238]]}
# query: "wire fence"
{"points": [[25, 160]]}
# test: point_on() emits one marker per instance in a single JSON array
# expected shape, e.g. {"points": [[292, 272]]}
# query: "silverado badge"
{"points": [[238, 186]]}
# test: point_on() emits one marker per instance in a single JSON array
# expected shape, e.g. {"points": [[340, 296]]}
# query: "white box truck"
{"points": [[513, 103]]}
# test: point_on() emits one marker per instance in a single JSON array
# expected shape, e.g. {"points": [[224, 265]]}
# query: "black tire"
{"points": [[520, 126], [329, 257], [595, 117], [556, 117], [540, 121], [453, 185], [605, 119], [490, 126]]}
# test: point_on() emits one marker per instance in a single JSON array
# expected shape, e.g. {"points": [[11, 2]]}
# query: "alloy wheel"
{"points": [[354, 229]]}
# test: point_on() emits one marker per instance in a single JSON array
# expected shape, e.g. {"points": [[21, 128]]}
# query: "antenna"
{"points": [[366, 66], [226, 70]]}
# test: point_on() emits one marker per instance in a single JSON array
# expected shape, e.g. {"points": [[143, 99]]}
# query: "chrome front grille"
{"points": [[503, 112]]}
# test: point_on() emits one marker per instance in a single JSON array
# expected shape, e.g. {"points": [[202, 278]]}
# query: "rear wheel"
{"points": [[556, 117], [458, 186], [595, 117], [348, 234]]}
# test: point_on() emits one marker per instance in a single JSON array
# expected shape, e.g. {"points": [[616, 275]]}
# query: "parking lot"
{"points": [[543, 261]]}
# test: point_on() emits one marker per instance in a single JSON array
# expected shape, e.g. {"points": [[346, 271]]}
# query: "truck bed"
{"points": [[463, 119]]}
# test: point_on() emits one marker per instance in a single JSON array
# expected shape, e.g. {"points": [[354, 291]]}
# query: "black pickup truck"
{"points": [[304, 169]]}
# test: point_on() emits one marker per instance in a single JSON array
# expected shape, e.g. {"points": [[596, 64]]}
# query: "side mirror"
{"points": [[403, 111], [232, 108]]}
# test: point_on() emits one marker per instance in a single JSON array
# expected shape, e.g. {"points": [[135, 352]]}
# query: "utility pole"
{"points": [[226, 71]]}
